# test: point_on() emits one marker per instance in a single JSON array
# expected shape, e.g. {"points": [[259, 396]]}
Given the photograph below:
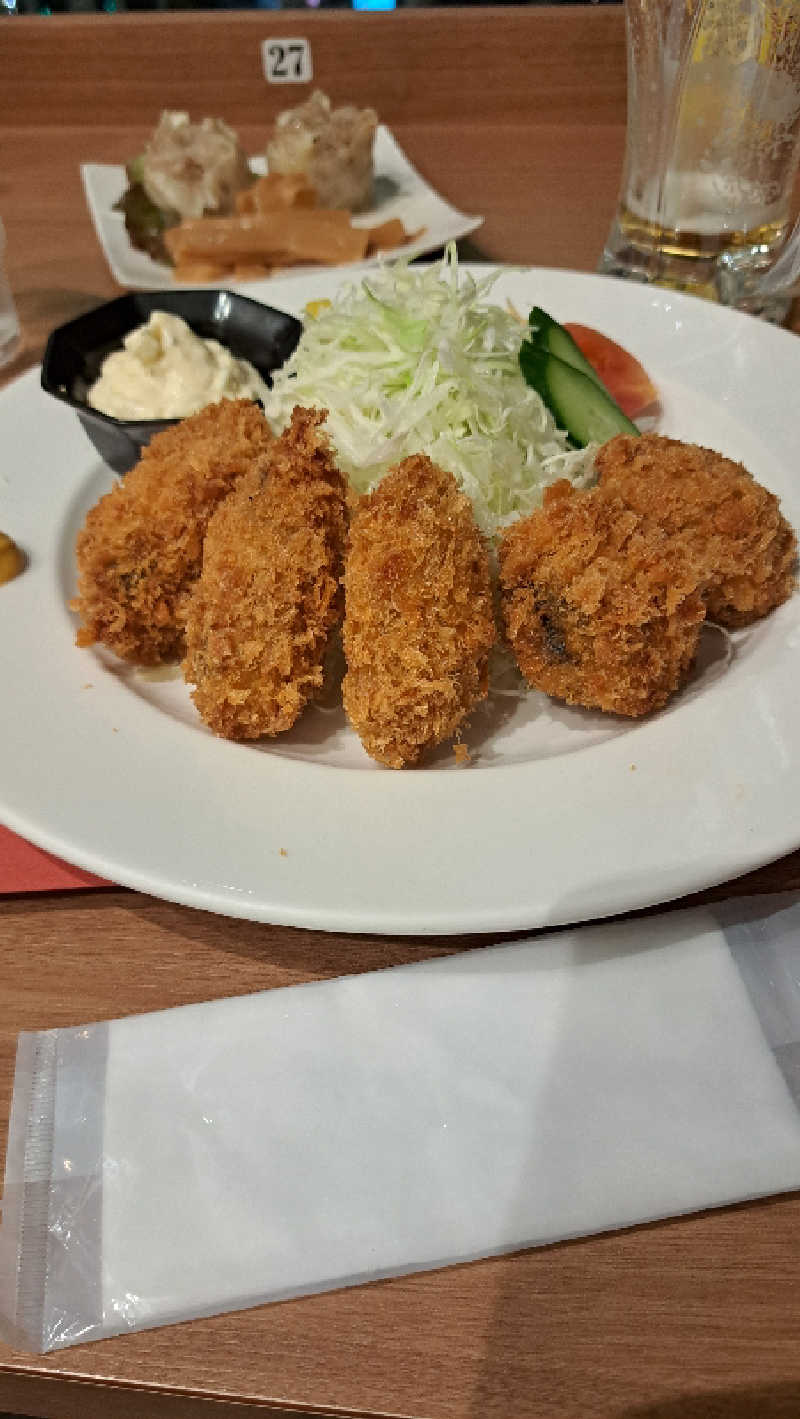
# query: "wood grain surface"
{"points": [[417, 66], [696, 1317]]}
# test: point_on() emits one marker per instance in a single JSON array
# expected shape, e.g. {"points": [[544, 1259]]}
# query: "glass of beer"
{"points": [[712, 147], [9, 324]]}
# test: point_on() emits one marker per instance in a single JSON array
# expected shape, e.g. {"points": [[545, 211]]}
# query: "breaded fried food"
{"points": [[731, 525], [141, 546], [418, 613], [600, 607], [269, 595]]}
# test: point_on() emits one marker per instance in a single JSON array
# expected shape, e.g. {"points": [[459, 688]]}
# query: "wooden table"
{"points": [[524, 122]]}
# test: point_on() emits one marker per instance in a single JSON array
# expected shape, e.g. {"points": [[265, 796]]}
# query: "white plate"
{"points": [[400, 192], [563, 815]]}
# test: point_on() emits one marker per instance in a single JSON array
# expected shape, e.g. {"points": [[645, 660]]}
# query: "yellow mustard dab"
{"points": [[11, 558]]}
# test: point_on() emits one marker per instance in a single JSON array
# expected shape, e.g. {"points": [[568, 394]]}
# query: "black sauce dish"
{"points": [[75, 351]]}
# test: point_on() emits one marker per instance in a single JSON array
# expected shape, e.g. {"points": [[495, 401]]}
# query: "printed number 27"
{"points": [[287, 61]]}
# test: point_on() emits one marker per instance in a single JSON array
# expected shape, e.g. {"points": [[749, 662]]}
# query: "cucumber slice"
{"points": [[578, 404], [547, 334]]}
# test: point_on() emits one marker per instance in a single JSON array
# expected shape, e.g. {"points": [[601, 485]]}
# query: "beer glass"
{"points": [[712, 149], [9, 325]]}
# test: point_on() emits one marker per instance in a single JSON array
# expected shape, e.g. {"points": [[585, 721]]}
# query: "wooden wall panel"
{"points": [[432, 65]]}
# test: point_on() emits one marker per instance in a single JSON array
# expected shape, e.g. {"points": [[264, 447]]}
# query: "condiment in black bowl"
{"points": [[75, 352]]}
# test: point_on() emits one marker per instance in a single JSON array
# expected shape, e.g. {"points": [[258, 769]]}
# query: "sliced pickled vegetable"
{"points": [[577, 401], [623, 376], [144, 222], [549, 335]]}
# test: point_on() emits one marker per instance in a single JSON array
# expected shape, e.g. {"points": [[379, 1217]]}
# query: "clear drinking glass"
{"points": [[712, 147], [9, 324]]}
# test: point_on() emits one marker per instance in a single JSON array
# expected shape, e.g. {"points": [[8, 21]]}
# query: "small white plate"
{"points": [[400, 192], [562, 815]]}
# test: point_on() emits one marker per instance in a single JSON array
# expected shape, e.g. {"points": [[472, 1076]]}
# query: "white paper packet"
{"points": [[217, 1156]]}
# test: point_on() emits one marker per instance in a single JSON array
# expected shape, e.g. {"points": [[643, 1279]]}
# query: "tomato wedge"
{"points": [[624, 378]]}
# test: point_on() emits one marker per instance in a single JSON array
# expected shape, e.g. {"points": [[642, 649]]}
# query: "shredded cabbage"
{"points": [[415, 360]]}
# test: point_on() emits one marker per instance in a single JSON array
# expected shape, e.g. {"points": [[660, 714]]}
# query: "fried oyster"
{"points": [[418, 613], [141, 546], [261, 614], [729, 524], [600, 607]]}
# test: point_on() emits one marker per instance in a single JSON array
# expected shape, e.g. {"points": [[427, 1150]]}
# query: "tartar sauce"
{"points": [[165, 371]]}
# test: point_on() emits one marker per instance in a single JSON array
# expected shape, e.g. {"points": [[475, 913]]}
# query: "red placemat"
{"points": [[25, 868]]}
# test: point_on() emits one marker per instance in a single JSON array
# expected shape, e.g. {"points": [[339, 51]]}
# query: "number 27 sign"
{"points": [[287, 61]]}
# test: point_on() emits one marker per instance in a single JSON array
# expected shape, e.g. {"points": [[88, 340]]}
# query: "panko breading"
{"points": [[418, 613], [601, 608], [269, 595], [730, 524], [141, 546]]}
